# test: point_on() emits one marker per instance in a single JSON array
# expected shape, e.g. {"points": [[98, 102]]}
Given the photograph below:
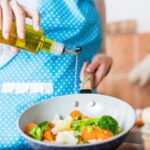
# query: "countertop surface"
{"points": [[133, 141], [131, 146]]}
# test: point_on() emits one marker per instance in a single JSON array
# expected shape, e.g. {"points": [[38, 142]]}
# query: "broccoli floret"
{"points": [[36, 133], [78, 135], [105, 122], [108, 123], [119, 130], [44, 126]]}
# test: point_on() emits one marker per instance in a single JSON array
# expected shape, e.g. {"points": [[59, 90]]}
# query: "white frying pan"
{"points": [[92, 105]]}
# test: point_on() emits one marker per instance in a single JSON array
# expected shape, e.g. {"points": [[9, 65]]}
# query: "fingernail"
{"points": [[6, 35], [21, 35]]}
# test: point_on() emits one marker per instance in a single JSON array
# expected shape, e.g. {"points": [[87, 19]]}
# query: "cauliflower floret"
{"points": [[94, 141], [66, 137], [57, 118], [61, 125], [68, 119]]}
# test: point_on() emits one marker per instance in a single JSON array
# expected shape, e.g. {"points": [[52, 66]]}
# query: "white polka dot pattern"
{"points": [[72, 22]]}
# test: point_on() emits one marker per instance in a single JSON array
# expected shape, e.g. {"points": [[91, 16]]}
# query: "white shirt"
{"points": [[32, 4]]}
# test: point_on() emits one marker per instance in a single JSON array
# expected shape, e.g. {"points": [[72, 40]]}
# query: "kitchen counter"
{"points": [[130, 146], [133, 141]]}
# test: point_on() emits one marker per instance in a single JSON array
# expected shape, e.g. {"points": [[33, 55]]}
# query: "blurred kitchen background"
{"points": [[128, 42]]}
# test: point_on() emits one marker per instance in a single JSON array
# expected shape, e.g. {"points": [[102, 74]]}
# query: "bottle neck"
{"points": [[56, 48], [47, 45]]}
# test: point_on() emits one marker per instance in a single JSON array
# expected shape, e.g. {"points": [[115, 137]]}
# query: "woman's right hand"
{"points": [[12, 9]]}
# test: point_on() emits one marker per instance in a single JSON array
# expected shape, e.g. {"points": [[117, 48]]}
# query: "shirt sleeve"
{"points": [[5, 54]]}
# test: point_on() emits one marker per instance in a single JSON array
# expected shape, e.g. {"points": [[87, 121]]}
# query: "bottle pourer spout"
{"points": [[78, 49], [70, 52]]}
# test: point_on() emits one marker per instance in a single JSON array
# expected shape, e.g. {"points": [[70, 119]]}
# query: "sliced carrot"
{"points": [[51, 125], [95, 134], [48, 136], [104, 134], [84, 117], [29, 127], [75, 113], [88, 135], [139, 122], [81, 142]]}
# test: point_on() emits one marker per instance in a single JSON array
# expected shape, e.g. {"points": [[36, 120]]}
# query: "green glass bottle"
{"points": [[34, 41]]}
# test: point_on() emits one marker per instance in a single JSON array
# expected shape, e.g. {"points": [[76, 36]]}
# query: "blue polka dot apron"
{"points": [[73, 22]]}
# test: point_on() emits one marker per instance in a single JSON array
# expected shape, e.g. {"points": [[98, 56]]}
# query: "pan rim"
{"points": [[78, 145]]}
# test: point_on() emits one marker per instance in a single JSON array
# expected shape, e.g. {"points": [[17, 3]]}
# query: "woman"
{"points": [[27, 78]]}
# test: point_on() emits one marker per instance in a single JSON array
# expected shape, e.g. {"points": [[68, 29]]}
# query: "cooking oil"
{"points": [[34, 41], [76, 74]]}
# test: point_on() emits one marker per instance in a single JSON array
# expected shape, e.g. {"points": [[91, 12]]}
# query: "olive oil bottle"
{"points": [[34, 41]]}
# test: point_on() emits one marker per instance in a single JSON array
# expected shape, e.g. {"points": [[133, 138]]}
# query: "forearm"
{"points": [[101, 7]]}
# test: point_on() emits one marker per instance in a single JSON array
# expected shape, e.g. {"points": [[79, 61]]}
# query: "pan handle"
{"points": [[87, 83]]}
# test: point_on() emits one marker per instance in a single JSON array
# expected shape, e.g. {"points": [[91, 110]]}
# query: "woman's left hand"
{"points": [[100, 66]]}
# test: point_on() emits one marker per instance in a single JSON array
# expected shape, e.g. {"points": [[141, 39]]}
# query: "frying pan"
{"points": [[92, 105]]}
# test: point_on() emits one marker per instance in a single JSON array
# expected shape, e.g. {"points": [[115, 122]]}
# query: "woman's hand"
{"points": [[12, 9], [100, 66]]}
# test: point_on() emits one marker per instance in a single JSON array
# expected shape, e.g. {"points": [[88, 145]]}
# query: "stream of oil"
{"points": [[76, 75]]}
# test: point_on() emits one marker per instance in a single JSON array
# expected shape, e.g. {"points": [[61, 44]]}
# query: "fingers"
{"points": [[101, 72], [36, 21], [103, 69], [94, 65], [100, 65], [35, 16], [20, 18], [1, 20], [10, 8], [7, 18]]}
